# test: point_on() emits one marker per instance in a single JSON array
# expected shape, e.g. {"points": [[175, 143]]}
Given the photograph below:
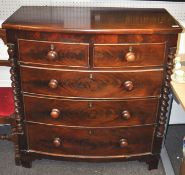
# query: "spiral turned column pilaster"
{"points": [[18, 128], [165, 93], [15, 88]]}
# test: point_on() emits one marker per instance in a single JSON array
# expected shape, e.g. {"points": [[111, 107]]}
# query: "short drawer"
{"points": [[54, 53], [90, 142], [84, 84], [129, 55], [90, 113]]}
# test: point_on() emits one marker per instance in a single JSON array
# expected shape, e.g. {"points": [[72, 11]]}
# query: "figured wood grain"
{"points": [[69, 54], [91, 113], [101, 85], [114, 55], [104, 26], [93, 38], [90, 142]]}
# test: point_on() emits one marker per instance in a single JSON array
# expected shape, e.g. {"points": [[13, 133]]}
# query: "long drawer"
{"points": [[90, 142], [54, 53], [129, 55], [90, 113], [86, 84]]}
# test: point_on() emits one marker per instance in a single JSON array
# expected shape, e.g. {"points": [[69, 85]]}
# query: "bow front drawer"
{"points": [[129, 55], [85, 84], [90, 113], [54, 53], [74, 141]]}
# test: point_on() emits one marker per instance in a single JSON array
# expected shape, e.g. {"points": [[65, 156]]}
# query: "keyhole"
{"points": [[91, 76], [90, 104]]}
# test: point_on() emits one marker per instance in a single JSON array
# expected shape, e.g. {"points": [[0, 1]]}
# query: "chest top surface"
{"points": [[93, 20]]}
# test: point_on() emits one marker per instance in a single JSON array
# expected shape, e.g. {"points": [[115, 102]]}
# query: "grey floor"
{"points": [[173, 145], [49, 167]]}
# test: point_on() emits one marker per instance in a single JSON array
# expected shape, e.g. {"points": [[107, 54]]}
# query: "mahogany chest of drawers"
{"points": [[90, 84]]}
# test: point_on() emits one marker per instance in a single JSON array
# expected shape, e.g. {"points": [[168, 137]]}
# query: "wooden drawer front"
{"points": [[120, 56], [92, 114], [89, 142], [91, 84], [65, 54]]}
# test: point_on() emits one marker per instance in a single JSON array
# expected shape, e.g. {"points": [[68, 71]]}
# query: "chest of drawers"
{"points": [[90, 84]]}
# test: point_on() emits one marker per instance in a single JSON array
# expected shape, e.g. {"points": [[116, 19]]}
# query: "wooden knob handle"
{"points": [[55, 113], [53, 84], [130, 56], [52, 54], [129, 85], [126, 115], [57, 142], [123, 143]]}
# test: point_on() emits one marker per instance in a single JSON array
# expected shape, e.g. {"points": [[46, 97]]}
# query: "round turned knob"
{"points": [[53, 84], [57, 142], [130, 56], [129, 85], [55, 113], [123, 143], [126, 115], [52, 55]]}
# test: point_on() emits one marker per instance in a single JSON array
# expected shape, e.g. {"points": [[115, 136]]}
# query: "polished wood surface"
{"points": [[4, 63], [100, 85], [3, 35], [91, 87], [64, 54], [104, 55], [90, 113], [93, 20], [90, 141], [93, 39], [131, 55]]}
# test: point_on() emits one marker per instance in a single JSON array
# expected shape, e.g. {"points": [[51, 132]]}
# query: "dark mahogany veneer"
{"points": [[93, 88]]}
